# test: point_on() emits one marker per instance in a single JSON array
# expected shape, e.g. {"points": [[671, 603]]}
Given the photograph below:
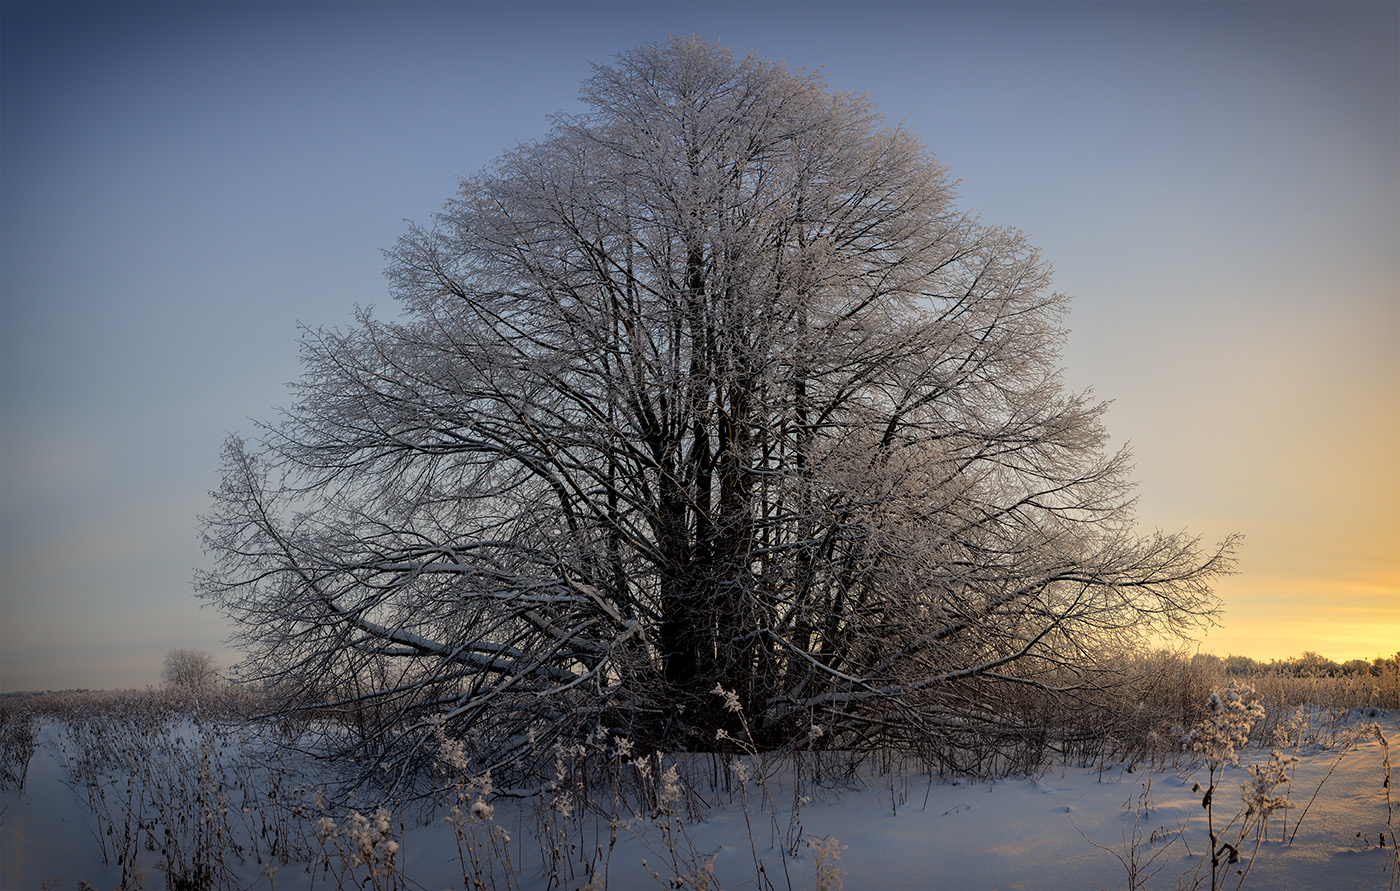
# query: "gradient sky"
{"points": [[1218, 185]]}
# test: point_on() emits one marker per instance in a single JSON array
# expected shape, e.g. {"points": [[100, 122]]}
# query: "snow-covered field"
{"points": [[1069, 828]]}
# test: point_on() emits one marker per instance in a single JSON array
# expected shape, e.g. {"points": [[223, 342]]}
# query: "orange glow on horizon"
{"points": [[1275, 618]]}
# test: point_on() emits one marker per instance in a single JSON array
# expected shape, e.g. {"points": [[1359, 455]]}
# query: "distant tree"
{"points": [[1356, 667], [713, 387], [191, 670], [1312, 664], [1241, 665], [1208, 662]]}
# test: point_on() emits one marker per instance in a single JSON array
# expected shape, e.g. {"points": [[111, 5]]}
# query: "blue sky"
{"points": [[1218, 185]]}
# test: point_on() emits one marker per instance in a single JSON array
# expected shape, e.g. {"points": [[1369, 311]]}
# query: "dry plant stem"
{"points": [[623, 749], [18, 740], [1393, 861], [1135, 869], [361, 843], [1261, 802], [1296, 823], [156, 780], [152, 770], [1230, 718], [732, 704]]}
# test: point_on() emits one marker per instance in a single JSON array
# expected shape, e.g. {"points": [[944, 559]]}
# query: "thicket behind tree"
{"points": [[711, 387]]}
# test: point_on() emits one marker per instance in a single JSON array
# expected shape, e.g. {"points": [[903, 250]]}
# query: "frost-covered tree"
{"points": [[190, 670], [712, 386]]}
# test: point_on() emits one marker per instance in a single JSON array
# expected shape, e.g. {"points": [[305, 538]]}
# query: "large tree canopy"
{"points": [[712, 386]]}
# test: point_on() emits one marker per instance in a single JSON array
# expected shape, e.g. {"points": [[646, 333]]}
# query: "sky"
{"points": [[181, 185]]}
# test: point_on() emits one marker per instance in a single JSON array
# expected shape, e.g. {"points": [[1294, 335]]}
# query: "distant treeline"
{"points": [[1308, 665]]}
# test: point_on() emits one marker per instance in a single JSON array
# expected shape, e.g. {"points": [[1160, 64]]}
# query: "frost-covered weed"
{"points": [[1261, 792], [785, 845], [1230, 716], [1220, 738], [826, 853], [684, 867], [360, 851], [18, 734], [231, 805], [1393, 861], [177, 784], [482, 846], [1296, 730]]}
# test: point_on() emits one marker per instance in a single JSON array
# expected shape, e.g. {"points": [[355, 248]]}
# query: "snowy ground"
{"points": [[910, 832]]}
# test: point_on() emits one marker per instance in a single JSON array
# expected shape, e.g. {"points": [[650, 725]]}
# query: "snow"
{"points": [[46, 834], [899, 830]]}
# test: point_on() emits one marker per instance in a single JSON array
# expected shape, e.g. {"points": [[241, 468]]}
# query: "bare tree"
{"points": [[712, 387], [191, 670]]}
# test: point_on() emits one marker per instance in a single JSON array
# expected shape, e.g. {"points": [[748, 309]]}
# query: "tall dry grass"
{"points": [[183, 783]]}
